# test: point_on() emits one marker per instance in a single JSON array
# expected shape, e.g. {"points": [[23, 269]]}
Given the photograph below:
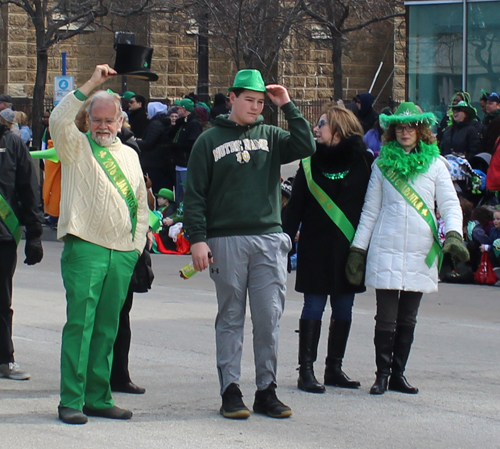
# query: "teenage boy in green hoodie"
{"points": [[232, 216]]}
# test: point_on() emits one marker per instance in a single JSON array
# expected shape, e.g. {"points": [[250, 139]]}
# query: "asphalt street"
{"points": [[455, 362]]}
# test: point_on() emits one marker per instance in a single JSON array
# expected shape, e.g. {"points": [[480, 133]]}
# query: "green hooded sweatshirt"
{"points": [[233, 181]]}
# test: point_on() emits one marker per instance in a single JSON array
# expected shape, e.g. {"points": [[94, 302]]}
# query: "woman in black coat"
{"points": [[341, 168], [463, 136]]}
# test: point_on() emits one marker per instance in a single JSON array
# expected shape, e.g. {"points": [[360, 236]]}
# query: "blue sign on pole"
{"points": [[63, 85]]}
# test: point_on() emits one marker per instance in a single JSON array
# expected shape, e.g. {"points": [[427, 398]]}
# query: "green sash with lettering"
{"points": [[413, 198], [332, 210], [116, 176], [9, 218]]}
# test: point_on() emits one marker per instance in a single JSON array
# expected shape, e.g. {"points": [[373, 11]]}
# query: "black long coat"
{"points": [[323, 248]]}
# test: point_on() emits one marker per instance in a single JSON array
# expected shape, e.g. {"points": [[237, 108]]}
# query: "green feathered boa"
{"points": [[407, 165]]}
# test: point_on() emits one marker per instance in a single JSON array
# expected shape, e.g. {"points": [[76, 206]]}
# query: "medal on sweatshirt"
{"points": [[116, 176]]}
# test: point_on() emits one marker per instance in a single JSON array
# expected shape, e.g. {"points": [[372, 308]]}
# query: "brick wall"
{"points": [[305, 70]]}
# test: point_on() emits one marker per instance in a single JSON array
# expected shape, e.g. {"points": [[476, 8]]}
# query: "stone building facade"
{"points": [[306, 71]]}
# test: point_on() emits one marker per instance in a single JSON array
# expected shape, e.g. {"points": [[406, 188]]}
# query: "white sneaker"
{"points": [[12, 371]]}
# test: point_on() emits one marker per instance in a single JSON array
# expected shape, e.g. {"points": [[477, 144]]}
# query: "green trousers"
{"points": [[96, 280]]}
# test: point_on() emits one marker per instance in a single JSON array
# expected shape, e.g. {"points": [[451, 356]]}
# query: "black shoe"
{"points": [[111, 412], [232, 405], [399, 383], [380, 385], [129, 387], [71, 416], [267, 403]]}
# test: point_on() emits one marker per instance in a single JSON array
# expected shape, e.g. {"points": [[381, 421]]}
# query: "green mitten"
{"points": [[454, 244], [355, 266]]}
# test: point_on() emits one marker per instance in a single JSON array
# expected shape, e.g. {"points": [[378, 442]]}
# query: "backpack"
{"points": [[493, 175]]}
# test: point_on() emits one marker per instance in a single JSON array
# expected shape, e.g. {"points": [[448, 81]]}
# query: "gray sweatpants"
{"points": [[257, 264]]}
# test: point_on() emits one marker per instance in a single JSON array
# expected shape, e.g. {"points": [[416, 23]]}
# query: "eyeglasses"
{"points": [[106, 121], [409, 128], [458, 110], [322, 123], [132, 101]]}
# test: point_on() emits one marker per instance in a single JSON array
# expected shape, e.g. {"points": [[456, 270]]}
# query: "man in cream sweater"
{"points": [[103, 223]]}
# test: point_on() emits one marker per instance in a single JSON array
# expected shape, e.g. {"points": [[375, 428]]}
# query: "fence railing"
{"points": [[311, 109]]}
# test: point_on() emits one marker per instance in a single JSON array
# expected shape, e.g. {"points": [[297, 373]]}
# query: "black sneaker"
{"points": [[232, 404], [267, 403]]}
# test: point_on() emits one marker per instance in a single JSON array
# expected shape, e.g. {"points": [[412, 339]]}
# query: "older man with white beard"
{"points": [[103, 223]]}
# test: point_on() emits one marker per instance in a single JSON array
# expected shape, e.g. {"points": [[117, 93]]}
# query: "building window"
{"points": [[445, 54]]}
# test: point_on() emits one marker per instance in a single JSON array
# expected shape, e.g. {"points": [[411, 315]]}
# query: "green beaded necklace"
{"points": [[340, 175]]}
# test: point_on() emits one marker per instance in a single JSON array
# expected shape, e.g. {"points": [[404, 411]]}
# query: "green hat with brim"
{"points": [[166, 193], [249, 79], [407, 112], [471, 111], [185, 103]]}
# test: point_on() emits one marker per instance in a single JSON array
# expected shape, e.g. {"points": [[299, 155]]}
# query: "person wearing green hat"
{"points": [[165, 201], [397, 240], [125, 99], [183, 133], [232, 214], [463, 137]]}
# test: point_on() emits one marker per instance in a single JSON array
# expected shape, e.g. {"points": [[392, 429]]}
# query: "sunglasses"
{"points": [[408, 128], [322, 123], [458, 110]]}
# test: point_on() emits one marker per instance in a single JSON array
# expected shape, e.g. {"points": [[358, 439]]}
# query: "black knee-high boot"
{"points": [[309, 332], [402, 345], [384, 343], [337, 342]]}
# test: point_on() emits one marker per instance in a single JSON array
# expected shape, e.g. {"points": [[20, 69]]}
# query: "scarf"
{"points": [[408, 165]]}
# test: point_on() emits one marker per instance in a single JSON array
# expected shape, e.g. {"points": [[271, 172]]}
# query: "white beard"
{"points": [[104, 139]]}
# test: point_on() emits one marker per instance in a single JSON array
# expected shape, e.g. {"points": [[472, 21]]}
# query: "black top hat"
{"points": [[135, 61]]}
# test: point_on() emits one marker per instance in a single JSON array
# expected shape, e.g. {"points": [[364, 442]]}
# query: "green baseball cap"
{"points": [[250, 79], [128, 95], [166, 193], [185, 103]]}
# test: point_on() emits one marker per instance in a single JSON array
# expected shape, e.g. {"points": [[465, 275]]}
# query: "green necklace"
{"points": [[340, 175]]}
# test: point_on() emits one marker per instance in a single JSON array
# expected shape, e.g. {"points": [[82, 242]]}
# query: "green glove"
{"points": [[355, 266], [454, 244]]}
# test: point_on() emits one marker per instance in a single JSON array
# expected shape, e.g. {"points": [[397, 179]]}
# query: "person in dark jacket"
{"points": [[491, 123], [219, 106], [155, 156], [341, 168], [19, 205], [463, 136], [184, 133], [137, 116], [367, 115]]}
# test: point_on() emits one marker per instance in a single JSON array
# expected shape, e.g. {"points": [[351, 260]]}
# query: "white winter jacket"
{"points": [[398, 239]]}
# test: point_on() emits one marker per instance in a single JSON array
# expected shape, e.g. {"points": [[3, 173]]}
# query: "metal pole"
{"points": [[63, 55], [464, 46]]}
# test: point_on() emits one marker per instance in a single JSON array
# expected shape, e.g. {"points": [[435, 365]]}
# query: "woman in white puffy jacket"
{"points": [[397, 238]]}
